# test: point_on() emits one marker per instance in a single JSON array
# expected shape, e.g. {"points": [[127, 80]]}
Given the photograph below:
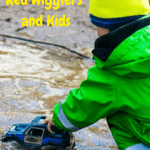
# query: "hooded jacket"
{"points": [[119, 82]]}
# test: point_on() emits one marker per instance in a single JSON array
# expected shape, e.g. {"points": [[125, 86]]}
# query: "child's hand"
{"points": [[49, 123]]}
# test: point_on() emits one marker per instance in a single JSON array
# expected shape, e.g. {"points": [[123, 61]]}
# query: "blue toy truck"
{"points": [[36, 135]]}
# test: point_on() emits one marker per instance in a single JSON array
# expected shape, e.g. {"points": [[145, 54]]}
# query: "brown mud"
{"points": [[34, 77]]}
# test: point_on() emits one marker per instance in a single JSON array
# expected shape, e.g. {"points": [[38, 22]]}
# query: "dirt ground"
{"points": [[80, 34], [34, 76]]}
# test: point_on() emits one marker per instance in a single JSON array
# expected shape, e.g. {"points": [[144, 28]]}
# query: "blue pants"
{"points": [[139, 146]]}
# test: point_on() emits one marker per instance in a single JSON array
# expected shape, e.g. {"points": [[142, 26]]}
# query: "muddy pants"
{"points": [[129, 132]]}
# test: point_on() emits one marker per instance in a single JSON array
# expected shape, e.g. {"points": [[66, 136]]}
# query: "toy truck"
{"points": [[36, 135]]}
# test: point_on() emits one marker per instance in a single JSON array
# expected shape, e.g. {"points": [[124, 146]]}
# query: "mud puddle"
{"points": [[33, 80]]}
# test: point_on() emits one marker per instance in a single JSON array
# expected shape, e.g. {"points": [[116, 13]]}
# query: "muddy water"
{"points": [[33, 80]]}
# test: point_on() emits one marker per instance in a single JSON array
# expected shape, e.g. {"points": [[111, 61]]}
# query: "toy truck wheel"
{"points": [[72, 142], [4, 139], [51, 147]]}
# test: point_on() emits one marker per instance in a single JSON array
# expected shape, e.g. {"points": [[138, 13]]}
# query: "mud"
{"points": [[34, 77]]}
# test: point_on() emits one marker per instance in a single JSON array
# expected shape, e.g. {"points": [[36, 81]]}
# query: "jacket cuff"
{"points": [[61, 121], [56, 120]]}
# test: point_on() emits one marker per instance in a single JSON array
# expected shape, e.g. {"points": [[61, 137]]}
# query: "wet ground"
{"points": [[34, 77]]}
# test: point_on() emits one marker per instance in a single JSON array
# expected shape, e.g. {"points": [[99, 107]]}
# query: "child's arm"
{"points": [[95, 99]]}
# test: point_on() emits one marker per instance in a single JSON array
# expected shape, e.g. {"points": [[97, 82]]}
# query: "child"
{"points": [[118, 86]]}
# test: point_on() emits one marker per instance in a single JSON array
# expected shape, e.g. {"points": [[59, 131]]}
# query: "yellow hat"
{"points": [[113, 14], [118, 8]]}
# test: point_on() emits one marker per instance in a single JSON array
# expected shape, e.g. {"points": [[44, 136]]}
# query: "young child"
{"points": [[118, 86]]}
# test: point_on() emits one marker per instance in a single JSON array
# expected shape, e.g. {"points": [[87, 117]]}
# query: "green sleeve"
{"points": [[95, 99]]}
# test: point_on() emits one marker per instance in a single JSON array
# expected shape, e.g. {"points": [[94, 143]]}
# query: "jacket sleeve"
{"points": [[95, 99]]}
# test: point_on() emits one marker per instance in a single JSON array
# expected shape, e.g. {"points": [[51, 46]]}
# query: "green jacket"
{"points": [[118, 85]]}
